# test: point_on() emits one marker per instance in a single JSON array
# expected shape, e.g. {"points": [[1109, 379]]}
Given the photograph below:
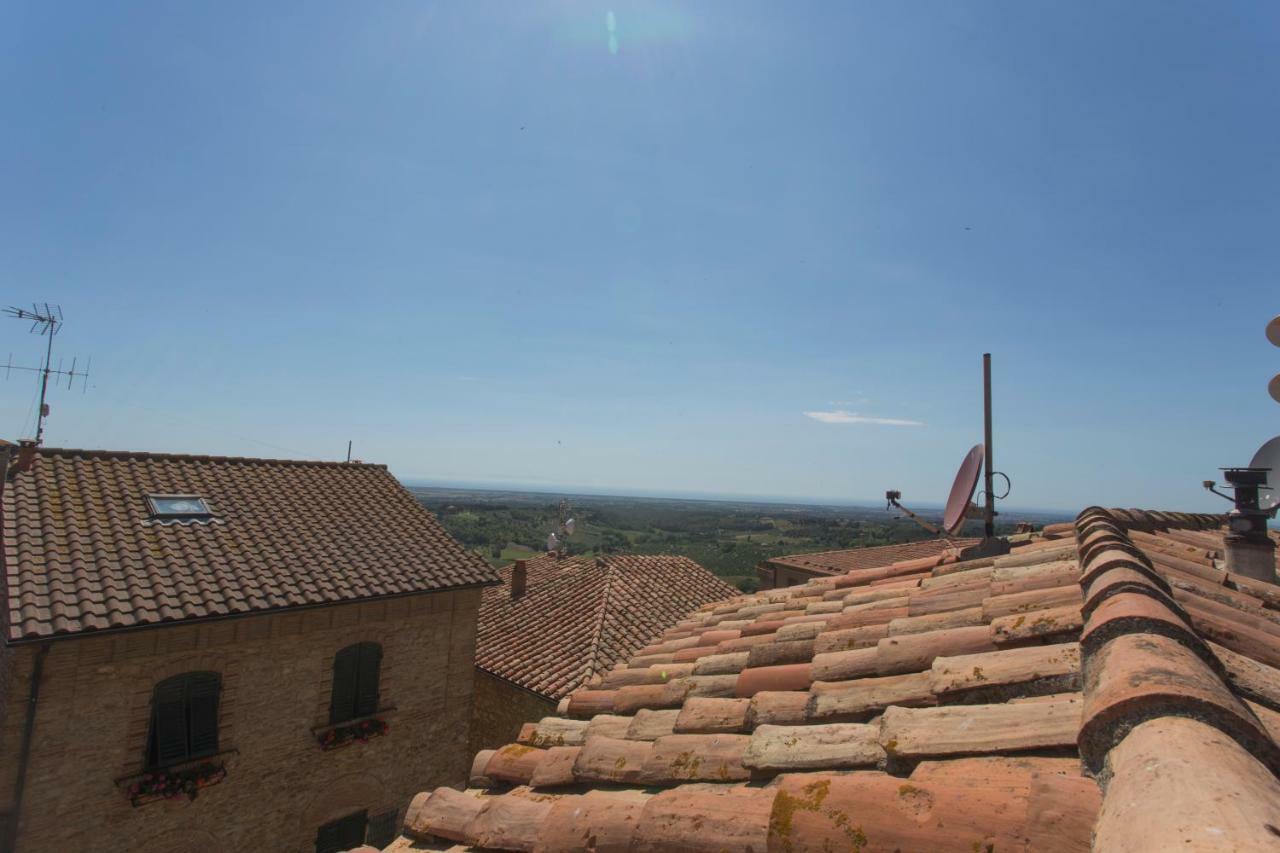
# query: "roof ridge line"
{"points": [[200, 457], [601, 618]]}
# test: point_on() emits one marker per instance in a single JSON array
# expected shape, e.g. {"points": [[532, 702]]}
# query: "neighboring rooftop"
{"points": [[785, 571], [579, 616], [85, 550], [1107, 686]]}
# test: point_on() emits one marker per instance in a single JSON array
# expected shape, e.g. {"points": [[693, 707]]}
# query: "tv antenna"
{"points": [[46, 320], [960, 507], [559, 539]]}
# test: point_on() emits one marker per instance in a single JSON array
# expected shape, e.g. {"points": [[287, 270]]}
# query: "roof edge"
{"points": [[201, 457]]}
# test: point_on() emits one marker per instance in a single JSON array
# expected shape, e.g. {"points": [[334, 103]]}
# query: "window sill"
{"points": [[355, 730], [186, 779]]}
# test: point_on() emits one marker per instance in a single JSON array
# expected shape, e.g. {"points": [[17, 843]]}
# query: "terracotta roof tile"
{"points": [[963, 709], [83, 551], [853, 559], [579, 616]]}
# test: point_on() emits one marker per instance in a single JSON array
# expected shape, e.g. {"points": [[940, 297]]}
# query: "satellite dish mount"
{"points": [[960, 506]]}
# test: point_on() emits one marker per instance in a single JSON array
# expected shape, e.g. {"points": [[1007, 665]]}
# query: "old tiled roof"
{"points": [[849, 559], [581, 615], [82, 553], [1108, 686]]}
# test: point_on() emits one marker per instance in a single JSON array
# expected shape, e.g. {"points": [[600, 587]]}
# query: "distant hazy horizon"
{"points": [[552, 490]]}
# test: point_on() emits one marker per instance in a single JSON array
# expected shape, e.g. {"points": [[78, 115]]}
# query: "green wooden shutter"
{"points": [[367, 683], [168, 723], [202, 713], [342, 700], [342, 834], [382, 829]]}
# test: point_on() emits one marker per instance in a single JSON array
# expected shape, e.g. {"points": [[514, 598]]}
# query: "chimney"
{"points": [[519, 579], [26, 455], [1249, 549]]}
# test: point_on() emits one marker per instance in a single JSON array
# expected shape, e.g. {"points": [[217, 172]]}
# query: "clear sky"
{"points": [[628, 246]]}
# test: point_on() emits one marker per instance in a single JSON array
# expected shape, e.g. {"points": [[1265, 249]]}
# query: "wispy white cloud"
{"points": [[840, 416]]}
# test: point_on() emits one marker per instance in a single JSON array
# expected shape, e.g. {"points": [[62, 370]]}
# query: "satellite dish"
{"points": [[962, 489], [552, 542], [1268, 456], [1273, 331], [1273, 387], [568, 527]]}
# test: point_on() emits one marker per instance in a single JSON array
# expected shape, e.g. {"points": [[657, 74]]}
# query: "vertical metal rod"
{"points": [[348, 450], [44, 386], [990, 513]]}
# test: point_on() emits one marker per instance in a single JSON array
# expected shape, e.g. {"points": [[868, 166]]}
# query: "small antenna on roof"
{"points": [[559, 540], [46, 319], [959, 503]]}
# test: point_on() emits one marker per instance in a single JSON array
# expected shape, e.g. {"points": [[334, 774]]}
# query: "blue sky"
{"points": [[503, 242]]}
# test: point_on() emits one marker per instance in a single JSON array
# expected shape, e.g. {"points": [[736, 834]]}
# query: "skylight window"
{"points": [[178, 506]]}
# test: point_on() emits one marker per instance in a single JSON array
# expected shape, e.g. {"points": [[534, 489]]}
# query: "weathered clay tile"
{"points": [[846, 639], [607, 725], [553, 731], [509, 823], [721, 664], [780, 652], [607, 759], [978, 729], [916, 652], [598, 821], [1179, 784], [816, 747], [840, 666], [697, 758], [1025, 602], [1055, 623], [444, 813], [705, 819], [556, 768], [793, 676], [1136, 677], [963, 618], [514, 763], [778, 707], [476, 778], [709, 716], [994, 676], [651, 725], [586, 703], [855, 700]]}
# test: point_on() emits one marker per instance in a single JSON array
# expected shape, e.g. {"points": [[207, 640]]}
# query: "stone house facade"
{"points": [[302, 727]]}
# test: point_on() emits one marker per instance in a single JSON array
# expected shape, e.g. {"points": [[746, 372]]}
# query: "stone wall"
{"points": [[94, 710], [500, 709]]}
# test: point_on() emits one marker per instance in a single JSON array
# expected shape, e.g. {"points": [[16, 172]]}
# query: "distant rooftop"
{"points": [[581, 615], [96, 539]]}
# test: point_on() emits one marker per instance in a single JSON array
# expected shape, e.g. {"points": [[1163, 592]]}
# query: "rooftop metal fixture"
{"points": [[978, 461], [45, 320], [1250, 550]]}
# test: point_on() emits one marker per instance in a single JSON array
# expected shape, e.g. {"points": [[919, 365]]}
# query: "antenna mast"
{"points": [[46, 320]]}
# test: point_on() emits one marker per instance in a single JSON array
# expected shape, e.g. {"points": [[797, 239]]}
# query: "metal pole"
{"points": [[349, 451], [44, 385], [990, 514]]}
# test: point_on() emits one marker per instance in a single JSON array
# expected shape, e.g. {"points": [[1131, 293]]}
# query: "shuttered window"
{"points": [[356, 670], [184, 718], [341, 834]]}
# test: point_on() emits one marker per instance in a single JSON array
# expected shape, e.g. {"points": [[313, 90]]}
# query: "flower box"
{"points": [[171, 784], [333, 737]]}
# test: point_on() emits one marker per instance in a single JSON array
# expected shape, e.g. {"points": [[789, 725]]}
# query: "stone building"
{"points": [[208, 653], [557, 622]]}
